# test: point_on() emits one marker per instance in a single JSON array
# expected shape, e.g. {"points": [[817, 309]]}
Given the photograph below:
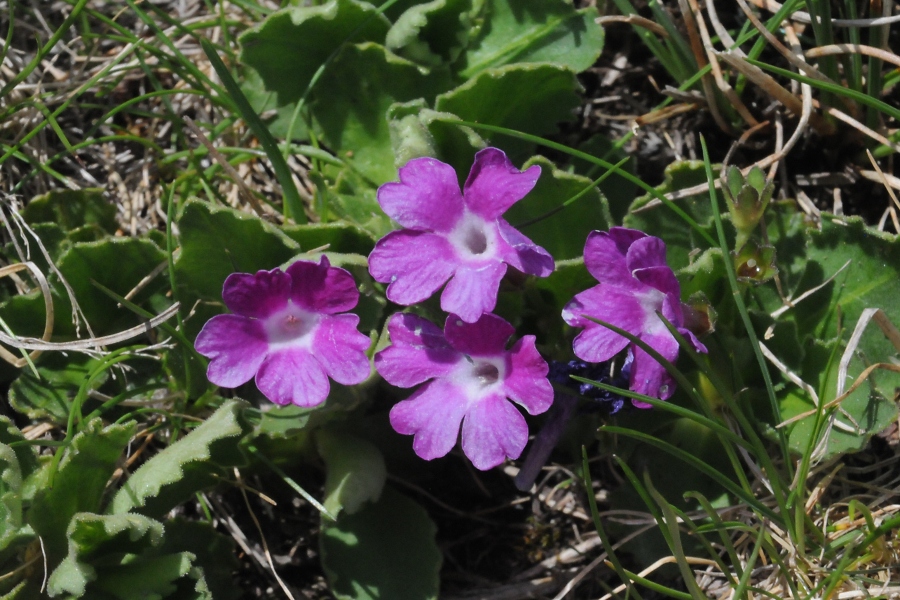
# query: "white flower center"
{"points": [[473, 237], [652, 301], [480, 376], [291, 326]]}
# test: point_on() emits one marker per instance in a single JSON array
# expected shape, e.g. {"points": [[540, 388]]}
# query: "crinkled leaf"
{"points": [[25, 453], [188, 465], [564, 232], [277, 117], [432, 33], [10, 496], [517, 31], [355, 471], [71, 209], [214, 554], [353, 199], [532, 98], [352, 99], [118, 264], [681, 239], [290, 45], [417, 132], [218, 241], [50, 397], [337, 236], [385, 550], [117, 556], [79, 482]]}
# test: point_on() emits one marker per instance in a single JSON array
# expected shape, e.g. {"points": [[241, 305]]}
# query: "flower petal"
{"points": [[293, 376], [493, 430], [427, 196], [648, 251], [418, 352], [415, 264], [604, 255], [433, 414], [607, 303], [473, 290], [648, 377], [523, 254], [696, 343], [341, 349], [236, 347], [661, 278], [494, 184], [322, 288], [257, 295], [485, 337], [526, 381]]}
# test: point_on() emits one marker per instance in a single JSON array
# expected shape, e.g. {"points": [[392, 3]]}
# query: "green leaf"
{"points": [[214, 554], [116, 263], [78, 486], [353, 199], [563, 233], [532, 98], [527, 31], [263, 101], [50, 396], [25, 453], [417, 132], [71, 209], [432, 33], [384, 551], [218, 241], [355, 471], [338, 236], [116, 556], [188, 465], [681, 240], [351, 102], [866, 408], [290, 45], [10, 496]]}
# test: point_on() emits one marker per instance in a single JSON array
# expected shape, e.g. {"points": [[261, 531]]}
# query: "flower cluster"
{"points": [[292, 331]]}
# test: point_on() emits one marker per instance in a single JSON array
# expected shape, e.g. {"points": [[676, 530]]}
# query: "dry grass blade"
{"points": [[634, 20], [854, 49], [91, 344]]}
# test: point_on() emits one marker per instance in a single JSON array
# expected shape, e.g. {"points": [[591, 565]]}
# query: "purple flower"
{"points": [[470, 377], [288, 332], [457, 236], [635, 283]]}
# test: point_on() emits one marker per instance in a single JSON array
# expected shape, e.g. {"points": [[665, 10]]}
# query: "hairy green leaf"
{"points": [[290, 45], [432, 33], [218, 241], [188, 465], [518, 31], [79, 482], [355, 471], [351, 102], [71, 209], [385, 550], [563, 232], [532, 98]]}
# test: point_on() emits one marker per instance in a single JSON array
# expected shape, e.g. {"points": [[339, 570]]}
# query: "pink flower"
{"points": [[470, 377], [635, 283], [460, 237], [288, 332]]}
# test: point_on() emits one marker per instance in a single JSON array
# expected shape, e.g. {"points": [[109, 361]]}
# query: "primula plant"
{"points": [[395, 300]]}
